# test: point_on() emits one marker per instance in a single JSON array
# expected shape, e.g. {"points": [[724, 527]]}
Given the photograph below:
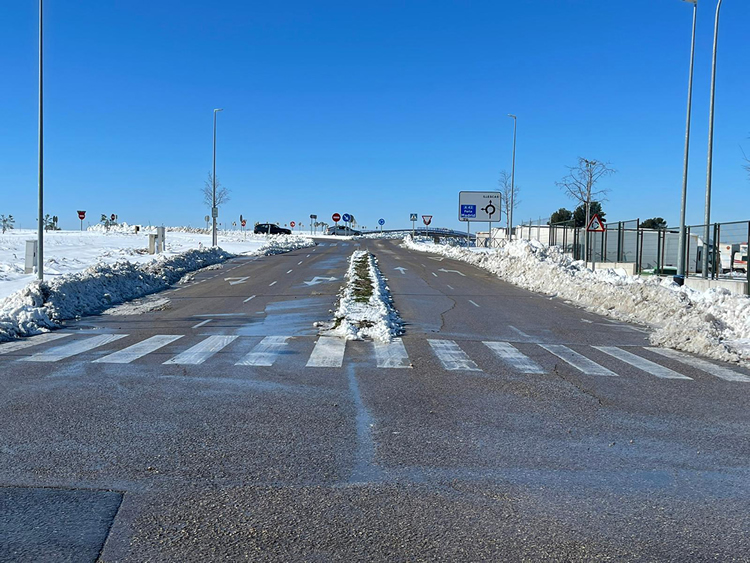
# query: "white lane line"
{"points": [[272, 283], [8, 347], [641, 363], [77, 347], [202, 351], [136, 351], [200, 324], [434, 274], [519, 331], [222, 315], [391, 354], [308, 256], [249, 298], [265, 352], [328, 353], [334, 244], [581, 363], [290, 271], [449, 286], [472, 302], [451, 356], [300, 262], [712, 369], [509, 354]]}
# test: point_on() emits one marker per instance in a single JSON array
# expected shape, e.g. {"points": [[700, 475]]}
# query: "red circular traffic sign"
{"points": [[292, 223], [244, 222], [81, 215], [336, 217]]}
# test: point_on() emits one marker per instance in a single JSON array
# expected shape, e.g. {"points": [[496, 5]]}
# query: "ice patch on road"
{"points": [[713, 323]]}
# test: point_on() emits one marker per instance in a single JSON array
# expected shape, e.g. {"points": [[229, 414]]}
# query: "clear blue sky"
{"points": [[375, 108]]}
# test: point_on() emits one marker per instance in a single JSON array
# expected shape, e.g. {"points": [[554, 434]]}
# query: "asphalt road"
{"points": [[503, 426]]}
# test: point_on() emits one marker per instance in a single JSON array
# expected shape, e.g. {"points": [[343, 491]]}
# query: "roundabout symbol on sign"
{"points": [[487, 208]]}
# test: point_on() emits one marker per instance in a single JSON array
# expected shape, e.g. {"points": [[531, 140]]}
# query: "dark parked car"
{"points": [[270, 229]]}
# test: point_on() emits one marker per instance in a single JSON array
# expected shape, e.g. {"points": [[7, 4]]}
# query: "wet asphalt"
{"points": [[215, 461]]}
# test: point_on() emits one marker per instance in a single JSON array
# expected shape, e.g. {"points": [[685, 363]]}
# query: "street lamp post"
{"points": [[707, 218], [680, 277], [40, 223], [214, 211], [512, 179]]}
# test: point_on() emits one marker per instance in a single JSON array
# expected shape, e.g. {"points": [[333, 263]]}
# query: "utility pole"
{"points": [[40, 221], [214, 210], [512, 179]]}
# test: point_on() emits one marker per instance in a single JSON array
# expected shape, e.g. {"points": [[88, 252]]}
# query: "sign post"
{"points": [[347, 218], [81, 216], [381, 222], [413, 219], [336, 218], [313, 223], [596, 225]]}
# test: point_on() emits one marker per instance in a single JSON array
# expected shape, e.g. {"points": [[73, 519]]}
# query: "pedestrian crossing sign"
{"points": [[596, 225]]}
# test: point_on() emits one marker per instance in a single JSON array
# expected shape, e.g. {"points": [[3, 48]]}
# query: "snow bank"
{"points": [[375, 318], [713, 323]]}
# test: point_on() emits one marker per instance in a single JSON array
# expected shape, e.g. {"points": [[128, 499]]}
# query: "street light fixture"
{"points": [[680, 277], [709, 173], [214, 210], [40, 224], [512, 179]]}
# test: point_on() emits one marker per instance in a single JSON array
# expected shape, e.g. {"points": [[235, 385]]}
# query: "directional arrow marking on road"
{"points": [[451, 272], [237, 280], [401, 269], [317, 279]]}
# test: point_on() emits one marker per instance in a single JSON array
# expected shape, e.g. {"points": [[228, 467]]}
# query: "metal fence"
{"points": [[650, 250]]}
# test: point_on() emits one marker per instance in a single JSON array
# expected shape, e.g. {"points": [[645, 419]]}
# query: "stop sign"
{"points": [[336, 217], [81, 215], [292, 223]]}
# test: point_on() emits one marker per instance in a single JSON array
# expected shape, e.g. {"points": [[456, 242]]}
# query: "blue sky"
{"points": [[374, 108]]}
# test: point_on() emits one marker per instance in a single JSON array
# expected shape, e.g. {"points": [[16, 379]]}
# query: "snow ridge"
{"points": [[359, 316], [713, 323]]}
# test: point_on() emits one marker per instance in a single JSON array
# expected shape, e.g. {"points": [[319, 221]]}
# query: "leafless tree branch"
{"points": [[504, 184], [222, 193]]}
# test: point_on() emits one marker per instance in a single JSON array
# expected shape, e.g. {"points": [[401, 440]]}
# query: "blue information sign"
{"points": [[468, 211], [381, 222], [346, 217]]}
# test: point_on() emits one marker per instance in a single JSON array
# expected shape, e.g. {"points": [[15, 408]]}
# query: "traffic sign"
{"points": [[215, 212], [207, 218], [244, 222], [412, 216], [292, 224], [81, 215], [112, 217], [479, 206], [313, 216], [596, 225], [336, 217], [427, 219], [346, 217], [381, 222]]}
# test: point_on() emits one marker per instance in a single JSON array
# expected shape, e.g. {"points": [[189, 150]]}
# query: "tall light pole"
{"points": [[40, 223], [707, 218], [214, 210], [680, 277], [512, 179]]}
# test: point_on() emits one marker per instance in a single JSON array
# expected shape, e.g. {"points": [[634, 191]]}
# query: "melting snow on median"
{"points": [[365, 308], [714, 323]]}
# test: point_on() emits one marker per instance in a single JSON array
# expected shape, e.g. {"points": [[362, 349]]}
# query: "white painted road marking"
{"points": [[74, 348], [391, 354], [249, 298], [200, 324], [436, 258], [509, 354], [300, 262], [235, 281], [265, 352], [290, 271], [202, 351], [136, 351], [449, 286], [520, 332], [581, 363], [475, 305], [401, 269], [272, 283], [328, 353], [451, 356], [317, 279], [8, 347], [641, 363], [434, 274], [712, 369], [452, 272]]}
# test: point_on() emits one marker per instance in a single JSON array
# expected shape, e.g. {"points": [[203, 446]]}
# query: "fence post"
{"points": [[747, 257], [637, 246], [619, 242], [657, 269], [717, 258]]}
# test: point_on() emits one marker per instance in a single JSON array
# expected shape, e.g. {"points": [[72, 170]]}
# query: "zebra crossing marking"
{"points": [[578, 361], [641, 363], [16, 345], [451, 356], [391, 354], [328, 353], [265, 352], [74, 348], [202, 351], [510, 354], [138, 350], [712, 369]]}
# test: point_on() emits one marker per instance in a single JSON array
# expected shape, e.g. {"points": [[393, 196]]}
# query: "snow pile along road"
{"points": [[42, 305], [365, 307], [713, 323]]}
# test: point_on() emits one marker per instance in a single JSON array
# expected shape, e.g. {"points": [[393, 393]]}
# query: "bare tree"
{"points": [[581, 185], [7, 222], [222, 193], [505, 195]]}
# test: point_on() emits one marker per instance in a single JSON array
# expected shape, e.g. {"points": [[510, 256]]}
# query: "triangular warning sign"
{"points": [[427, 219], [595, 225]]}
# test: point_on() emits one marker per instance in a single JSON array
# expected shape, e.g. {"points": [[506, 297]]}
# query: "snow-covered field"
{"points": [[90, 271], [713, 323]]}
